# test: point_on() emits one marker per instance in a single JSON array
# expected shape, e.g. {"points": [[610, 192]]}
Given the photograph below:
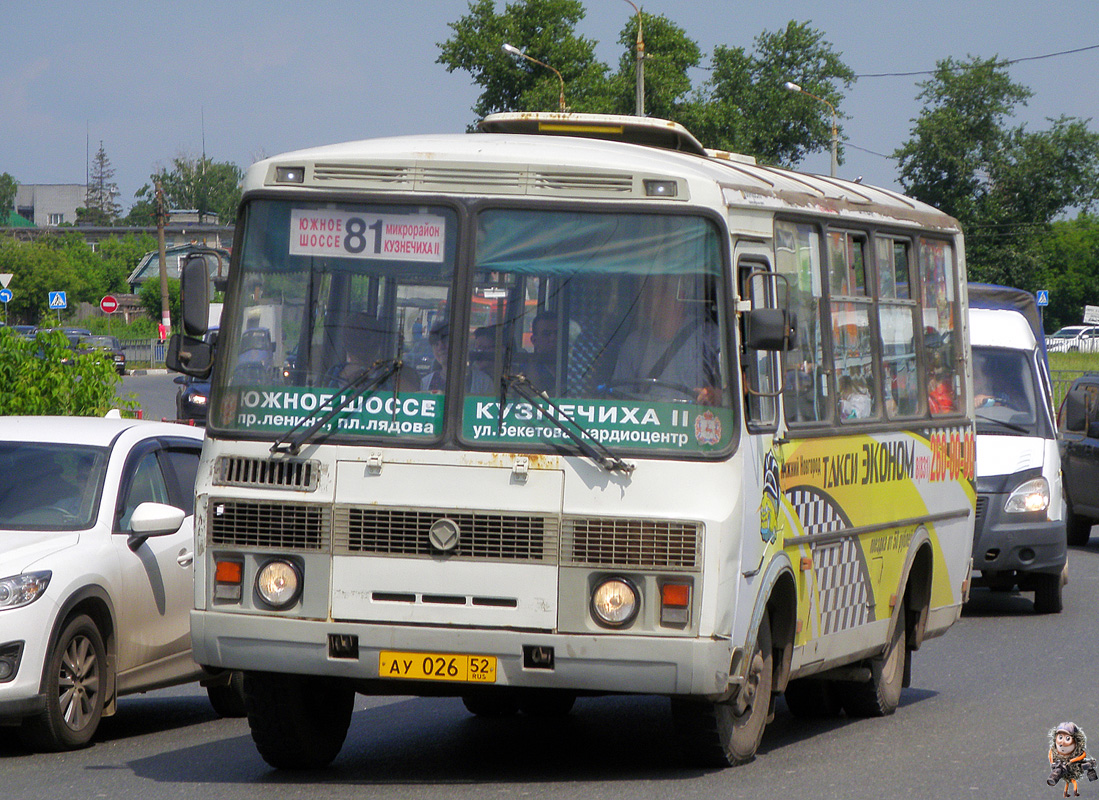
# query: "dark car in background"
{"points": [[1078, 423], [193, 395], [108, 344]]}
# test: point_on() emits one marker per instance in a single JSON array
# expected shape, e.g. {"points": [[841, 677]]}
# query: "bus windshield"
{"points": [[331, 296], [614, 317]]}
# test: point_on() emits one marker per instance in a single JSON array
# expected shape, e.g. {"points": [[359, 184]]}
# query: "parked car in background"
{"points": [[1078, 422], [1074, 339], [108, 344], [96, 553]]}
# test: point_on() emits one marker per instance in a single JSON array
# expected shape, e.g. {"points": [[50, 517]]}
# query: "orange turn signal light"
{"points": [[229, 572], [675, 595]]}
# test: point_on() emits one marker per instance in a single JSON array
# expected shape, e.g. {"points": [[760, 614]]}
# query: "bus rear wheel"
{"points": [[728, 733], [880, 696], [297, 722]]}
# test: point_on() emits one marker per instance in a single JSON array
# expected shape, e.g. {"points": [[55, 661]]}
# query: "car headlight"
{"points": [[1033, 495], [198, 399], [21, 590], [278, 583], [614, 602]]}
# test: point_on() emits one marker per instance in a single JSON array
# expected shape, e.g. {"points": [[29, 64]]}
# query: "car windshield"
{"points": [[1067, 333], [50, 487], [1005, 391], [109, 342]]}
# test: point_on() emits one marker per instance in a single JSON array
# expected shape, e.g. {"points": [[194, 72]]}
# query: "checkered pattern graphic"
{"points": [[842, 578]]}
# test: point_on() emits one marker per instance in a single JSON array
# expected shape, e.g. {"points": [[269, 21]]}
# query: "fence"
{"points": [[144, 352]]}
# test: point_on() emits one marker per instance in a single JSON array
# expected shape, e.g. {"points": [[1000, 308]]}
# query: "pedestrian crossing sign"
{"points": [[1043, 297], [58, 300]]}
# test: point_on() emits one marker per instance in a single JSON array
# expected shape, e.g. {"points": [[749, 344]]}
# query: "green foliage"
{"points": [[7, 195], [151, 300], [1069, 256], [142, 213], [543, 29], [37, 269], [746, 109], [197, 183], [45, 376], [742, 107], [1006, 185], [120, 258]]}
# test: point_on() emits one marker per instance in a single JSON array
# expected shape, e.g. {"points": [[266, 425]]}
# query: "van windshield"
{"points": [[1006, 393]]}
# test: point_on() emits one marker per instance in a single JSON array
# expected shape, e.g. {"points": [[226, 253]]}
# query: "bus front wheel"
{"points": [[297, 722], [728, 733]]}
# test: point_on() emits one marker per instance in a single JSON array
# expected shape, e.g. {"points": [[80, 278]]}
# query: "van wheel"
{"points": [[813, 698], [1047, 593], [76, 677], [728, 733], [880, 696], [297, 722], [1079, 528], [495, 703], [547, 703]]}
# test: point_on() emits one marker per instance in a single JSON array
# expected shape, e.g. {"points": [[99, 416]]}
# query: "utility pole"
{"points": [[161, 221]]}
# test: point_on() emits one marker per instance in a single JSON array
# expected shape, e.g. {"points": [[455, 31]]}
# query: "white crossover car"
{"points": [[96, 552]]}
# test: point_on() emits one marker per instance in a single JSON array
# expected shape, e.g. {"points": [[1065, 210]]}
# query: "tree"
{"points": [[120, 258], [543, 29], [149, 294], [1069, 256], [38, 269], [1004, 184], [745, 108], [99, 199], [209, 187], [7, 196]]}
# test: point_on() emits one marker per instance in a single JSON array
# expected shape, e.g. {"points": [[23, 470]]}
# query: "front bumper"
{"points": [[615, 664], [1001, 544]]}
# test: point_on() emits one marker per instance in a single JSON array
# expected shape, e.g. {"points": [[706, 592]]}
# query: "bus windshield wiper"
{"points": [[1003, 423], [291, 441], [587, 444]]}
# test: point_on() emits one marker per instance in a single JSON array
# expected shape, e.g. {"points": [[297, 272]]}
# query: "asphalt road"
{"points": [[154, 390], [973, 724]]}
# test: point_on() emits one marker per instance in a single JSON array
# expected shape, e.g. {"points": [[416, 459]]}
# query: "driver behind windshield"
{"points": [[671, 354]]}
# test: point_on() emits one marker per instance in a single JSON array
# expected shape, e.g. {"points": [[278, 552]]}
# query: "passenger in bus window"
{"points": [[542, 371], [940, 392], [482, 354], [439, 338], [855, 399], [364, 346], [672, 353]]}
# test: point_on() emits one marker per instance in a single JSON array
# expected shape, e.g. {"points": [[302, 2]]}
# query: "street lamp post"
{"points": [[639, 69], [793, 87], [515, 51]]}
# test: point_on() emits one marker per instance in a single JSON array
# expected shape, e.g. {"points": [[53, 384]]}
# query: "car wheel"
{"points": [[76, 677], [1047, 593]]}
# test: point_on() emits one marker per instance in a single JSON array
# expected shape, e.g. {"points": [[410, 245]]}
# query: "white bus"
{"points": [[573, 406]]}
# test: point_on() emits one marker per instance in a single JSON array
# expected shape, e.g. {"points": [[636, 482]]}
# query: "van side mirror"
{"points": [[770, 329], [194, 296]]}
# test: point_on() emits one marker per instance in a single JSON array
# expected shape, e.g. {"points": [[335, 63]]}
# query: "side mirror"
{"points": [[770, 329], [154, 519], [193, 357], [194, 295]]}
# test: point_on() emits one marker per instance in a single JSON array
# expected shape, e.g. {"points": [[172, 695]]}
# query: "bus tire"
{"points": [[728, 733], [813, 698], [1047, 593], [880, 696], [297, 722], [227, 698]]}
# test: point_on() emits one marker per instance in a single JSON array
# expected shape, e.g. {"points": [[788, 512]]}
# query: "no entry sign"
{"points": [[109, 304]]}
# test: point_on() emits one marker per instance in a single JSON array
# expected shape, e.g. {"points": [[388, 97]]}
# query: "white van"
{"points": [[1019, 538]]}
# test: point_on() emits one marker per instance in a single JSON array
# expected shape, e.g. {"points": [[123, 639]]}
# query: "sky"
{"points": [[246, 80]]}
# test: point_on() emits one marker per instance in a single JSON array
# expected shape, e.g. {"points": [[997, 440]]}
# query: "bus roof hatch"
{"points": [[660, 133]]}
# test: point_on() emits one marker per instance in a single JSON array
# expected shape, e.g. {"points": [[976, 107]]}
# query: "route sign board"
{"points": [[58, 300], [109, 304]]}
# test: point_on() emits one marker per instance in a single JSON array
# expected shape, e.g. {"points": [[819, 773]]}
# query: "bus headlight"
{"points": [[1033, 495], [278, 583], [614, 602]]}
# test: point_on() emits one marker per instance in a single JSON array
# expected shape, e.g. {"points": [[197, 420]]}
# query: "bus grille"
{"points": [[267, 473], [484, 536], [279, 526], [630, 543]]}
